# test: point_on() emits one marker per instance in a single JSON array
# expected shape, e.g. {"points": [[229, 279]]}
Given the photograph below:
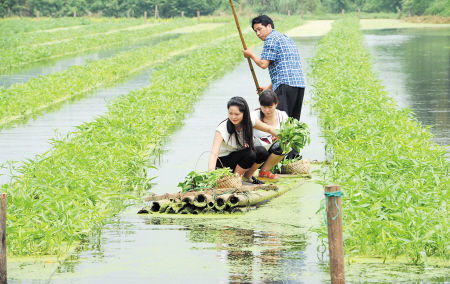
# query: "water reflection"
{"points": [[414, 66], [255, 256]]}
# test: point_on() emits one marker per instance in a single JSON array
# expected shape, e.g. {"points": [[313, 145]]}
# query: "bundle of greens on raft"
{"points": [[198, 181], [293, 134]]}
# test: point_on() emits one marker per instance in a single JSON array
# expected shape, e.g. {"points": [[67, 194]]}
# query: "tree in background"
{"points": [[12, 7], [283, 6], [336, 6], [415, 7], [172, 8], [376, 6], [439, 7]]}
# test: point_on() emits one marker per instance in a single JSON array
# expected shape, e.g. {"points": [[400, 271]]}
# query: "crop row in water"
{"points": [[38, 94], [70, 33], [17, 25], [13, 59], [395, 179], [61, 196]]}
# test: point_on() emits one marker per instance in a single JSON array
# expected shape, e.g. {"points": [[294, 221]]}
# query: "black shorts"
{"points": [[244, 158], [291, 100]]}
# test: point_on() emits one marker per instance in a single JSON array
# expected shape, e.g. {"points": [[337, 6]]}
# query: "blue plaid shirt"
{"points": [[285, 66]]}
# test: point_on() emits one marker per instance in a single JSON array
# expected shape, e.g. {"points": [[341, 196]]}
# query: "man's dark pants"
{"points": [[291, 100]]}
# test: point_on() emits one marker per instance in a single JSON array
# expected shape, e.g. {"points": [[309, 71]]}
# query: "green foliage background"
{"points": [[171, 8]]}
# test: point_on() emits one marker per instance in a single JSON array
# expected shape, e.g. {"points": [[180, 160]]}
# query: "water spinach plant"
{"points": [[394, 177], [85, 28], [293, 134], [16, 25], [19, 101], [16, 58], [197, 181], [64, 195]]}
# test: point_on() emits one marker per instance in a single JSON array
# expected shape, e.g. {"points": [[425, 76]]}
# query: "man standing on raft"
{"points": [[280, 54]]}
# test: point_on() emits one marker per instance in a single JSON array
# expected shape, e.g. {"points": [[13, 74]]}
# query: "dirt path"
{"points": [[321, 27], [382, 24], [311, 28]]}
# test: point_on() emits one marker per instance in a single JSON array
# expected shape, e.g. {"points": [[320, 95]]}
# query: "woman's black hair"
{"points": [[267, 98], [246, 123], [263, 20]]}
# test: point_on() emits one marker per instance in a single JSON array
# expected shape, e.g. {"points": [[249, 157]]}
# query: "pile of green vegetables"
{"points": [[293, 134], [198, 181]]}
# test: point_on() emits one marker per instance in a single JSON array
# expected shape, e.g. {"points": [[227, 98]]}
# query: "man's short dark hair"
{"points": [[263, 20]]}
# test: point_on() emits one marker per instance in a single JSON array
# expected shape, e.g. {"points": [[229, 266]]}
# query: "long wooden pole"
{"points": [[335, 240], [245, 47], [3, 277]]}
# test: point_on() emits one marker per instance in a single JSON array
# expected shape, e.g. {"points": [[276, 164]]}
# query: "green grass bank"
{"points": [[395, 179]]}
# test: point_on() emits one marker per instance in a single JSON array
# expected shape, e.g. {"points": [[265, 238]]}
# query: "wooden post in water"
{"points": [[145, 16], [3, 276], [343, 12], [156, 12], [37, 14], [182, 14], [289, 13], [335, 240], [198, 15]]}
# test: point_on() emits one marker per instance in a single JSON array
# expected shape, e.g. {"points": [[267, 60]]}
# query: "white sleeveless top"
{"points": [[230, 145], [281, 115]]}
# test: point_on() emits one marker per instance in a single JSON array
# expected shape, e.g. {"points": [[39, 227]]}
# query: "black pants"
{"points": [[244, 158], [276, 149], [291, 100]]}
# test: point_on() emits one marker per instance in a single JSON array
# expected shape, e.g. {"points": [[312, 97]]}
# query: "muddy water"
{"points": [[414, 66], [58, 65]]}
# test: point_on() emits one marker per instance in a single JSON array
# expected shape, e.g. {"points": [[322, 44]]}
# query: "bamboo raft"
{"points": [[221, 200]]}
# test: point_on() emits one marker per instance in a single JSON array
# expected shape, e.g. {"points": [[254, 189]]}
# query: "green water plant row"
{"points": [[62, 196], [36, 95], [14, 59], [17, 25], [8, 41], [394, 177]]}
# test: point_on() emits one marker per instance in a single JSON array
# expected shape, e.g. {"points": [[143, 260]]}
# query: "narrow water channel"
{"points": [[188, 149], [414, 66], [32, 138]]}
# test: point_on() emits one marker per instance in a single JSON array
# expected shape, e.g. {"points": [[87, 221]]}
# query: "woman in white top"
{"points": [[233, 142], [269, 114]]}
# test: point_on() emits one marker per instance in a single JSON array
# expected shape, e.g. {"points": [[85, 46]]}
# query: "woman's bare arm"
{"points": [[215, 151]]}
